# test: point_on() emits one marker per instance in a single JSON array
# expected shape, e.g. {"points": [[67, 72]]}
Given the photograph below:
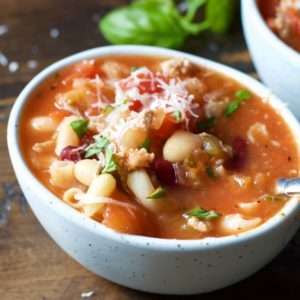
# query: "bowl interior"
{"points": [[97, 228]]}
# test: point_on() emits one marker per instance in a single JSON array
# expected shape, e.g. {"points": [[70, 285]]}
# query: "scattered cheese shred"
{"points": [[84, 199]]}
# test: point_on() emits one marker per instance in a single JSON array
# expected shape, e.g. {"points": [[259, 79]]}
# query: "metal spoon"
{"points": [[289, 186]]}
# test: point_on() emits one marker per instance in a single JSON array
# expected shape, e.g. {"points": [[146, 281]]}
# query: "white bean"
{"points": [[69, 195], [236, 223], [101, 186], [134, 138], [43, 124], [66, 135], [61, 173], [86, 170], [180, 145], [141, 186]]}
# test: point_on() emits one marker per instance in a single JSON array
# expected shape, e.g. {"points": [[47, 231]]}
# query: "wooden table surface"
{"points": [[33, 34]]}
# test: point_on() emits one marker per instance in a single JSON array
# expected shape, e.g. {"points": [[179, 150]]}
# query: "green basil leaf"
{"points": [[210, 172], [146, 144], [166, 6], [110, 164], [158, 193], [203, 214], [243, 95], [207, 124], [145, 23], [80, 127], [193, 6], [220, 14]]}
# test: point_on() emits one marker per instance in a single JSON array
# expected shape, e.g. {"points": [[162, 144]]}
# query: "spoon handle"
{"points": [[289, 186]]}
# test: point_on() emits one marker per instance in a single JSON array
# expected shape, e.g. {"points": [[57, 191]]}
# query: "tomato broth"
{"points": [[158, 147]]}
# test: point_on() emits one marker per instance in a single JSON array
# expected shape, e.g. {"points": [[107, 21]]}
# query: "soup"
{"points": [[283, 17], [158, 147]]}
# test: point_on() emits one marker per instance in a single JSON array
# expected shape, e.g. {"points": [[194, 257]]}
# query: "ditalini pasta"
{"points": [[158, 147]]}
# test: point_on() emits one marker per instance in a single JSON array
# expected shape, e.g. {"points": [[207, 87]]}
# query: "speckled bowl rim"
{"points": [[287, 52], [159, 244]]}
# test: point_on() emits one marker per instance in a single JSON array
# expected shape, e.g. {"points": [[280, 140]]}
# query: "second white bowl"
{"points": [[277, 64]]}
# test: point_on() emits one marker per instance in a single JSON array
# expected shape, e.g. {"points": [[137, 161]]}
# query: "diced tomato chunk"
{"points": [[136, 106], [168, 127], [121, 219], [58, 115]]}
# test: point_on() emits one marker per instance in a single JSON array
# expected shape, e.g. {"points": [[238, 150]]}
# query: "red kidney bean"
{"points": [[71, 153], [164, 171], [240, 153]]}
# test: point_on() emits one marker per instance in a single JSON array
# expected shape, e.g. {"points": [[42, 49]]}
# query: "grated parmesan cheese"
{"points": [[170, 96]]}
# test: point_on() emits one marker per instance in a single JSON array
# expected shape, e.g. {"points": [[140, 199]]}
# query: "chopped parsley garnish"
{"points": [[110, 164], [101, 145], [274, 198], [210, 172], [146, 144], [177, 116], [234, 105], [203, 214], [207, 124], [243, 95], [158, 193], [80, 127]]}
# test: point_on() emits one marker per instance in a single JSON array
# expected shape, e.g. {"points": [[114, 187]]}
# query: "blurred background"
{"points": [[34, 34]]}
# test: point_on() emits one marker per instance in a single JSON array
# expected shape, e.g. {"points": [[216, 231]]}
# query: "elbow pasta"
{"points": [[69, 195], [86, 170], [141, 186], [62, 173], [236, 223], [66, 135], [101, 186]]}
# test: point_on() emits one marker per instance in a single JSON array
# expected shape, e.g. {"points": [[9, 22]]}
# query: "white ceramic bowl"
{"points": [[277, 64], [150, 264]]}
